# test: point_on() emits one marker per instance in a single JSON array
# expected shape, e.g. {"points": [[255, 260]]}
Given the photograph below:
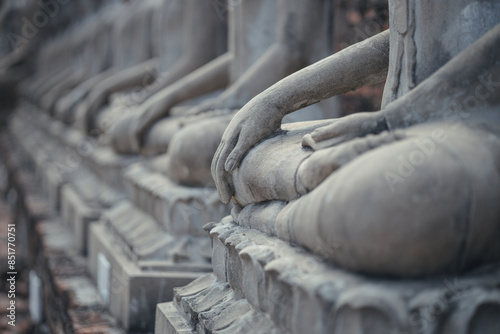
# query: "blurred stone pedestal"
{"points": [[132, 289], [77, 213], [143, 263], [142, 232], [65, 300], [179, 210]]}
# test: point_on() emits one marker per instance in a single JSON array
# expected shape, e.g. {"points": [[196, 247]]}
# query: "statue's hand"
{"points": [[249, 126], [151, 110], [320, 164], [89, 108], [120, 137], [207, 105], [344, 129], [46, 101], [141, 125]]}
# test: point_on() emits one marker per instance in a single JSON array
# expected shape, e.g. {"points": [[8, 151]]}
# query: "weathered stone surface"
{"points": [[146, 262], [70, 303], [144, 240], [136, 287], [168, 321], [301, 293], [365, 185], [77, 213], [208, 306], [181, 210]]}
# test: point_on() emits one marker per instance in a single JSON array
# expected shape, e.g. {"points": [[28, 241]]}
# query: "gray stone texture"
{"points": [[286, 290]]}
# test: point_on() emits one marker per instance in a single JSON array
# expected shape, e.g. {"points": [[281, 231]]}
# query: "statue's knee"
{"points": [[158, 139], [362, 221], [191, 151], [120, 138]]}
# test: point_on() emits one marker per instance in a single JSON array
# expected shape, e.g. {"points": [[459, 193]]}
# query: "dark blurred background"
{"points": [[24, 26]]}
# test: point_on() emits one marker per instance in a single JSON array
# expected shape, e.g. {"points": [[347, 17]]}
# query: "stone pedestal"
{"points": [[143, 261], [78, 214], [132, 289], [263, 285], [179, 210], [60, 170], [62, 296], [168, 320], [142, 232]]}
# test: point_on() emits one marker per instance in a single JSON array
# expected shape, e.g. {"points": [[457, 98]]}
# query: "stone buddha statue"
{"points": [[136, 26], [76, 61], [411, 190], [187, 48], [259, 55], [79, 59], [27, 24], [86, 58], [49, 73], [99, 44]]}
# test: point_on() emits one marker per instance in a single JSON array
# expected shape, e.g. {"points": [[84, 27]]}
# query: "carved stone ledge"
{"points": [[209, 306], [70, 186], [180, 210], [142, 239], [141, 262], [78, 215], [300, 293], [58, 162], [134, 287]]}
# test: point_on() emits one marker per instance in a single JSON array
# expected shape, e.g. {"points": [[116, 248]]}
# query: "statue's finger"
{"points": [[215, 162], [308, 141], [324, 132], [226, 190], [238, 153], [329, 142], [218, 172], [214, 168]]}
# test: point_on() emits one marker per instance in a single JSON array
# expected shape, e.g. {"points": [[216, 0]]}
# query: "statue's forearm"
{"points": [[208, 78], [140, 74], [274, 65], [200, 47], [50, 81], [68, 82], [359, 65], [86, 86], [82, 90], [189, 62], [467, 83]]}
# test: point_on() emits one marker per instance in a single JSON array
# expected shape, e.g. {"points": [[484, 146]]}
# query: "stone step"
{"points": [[208, 306]]}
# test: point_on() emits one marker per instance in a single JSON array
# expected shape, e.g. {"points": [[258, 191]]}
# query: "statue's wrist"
{"points": [[386, 123], [165, 103]]}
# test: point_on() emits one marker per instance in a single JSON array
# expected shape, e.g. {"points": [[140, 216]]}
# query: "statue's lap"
{"points": [[418, 206], [186, 145], [268, 170], [191, 149]]}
